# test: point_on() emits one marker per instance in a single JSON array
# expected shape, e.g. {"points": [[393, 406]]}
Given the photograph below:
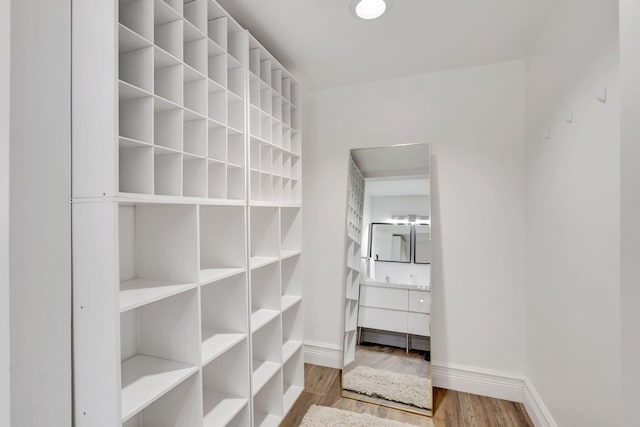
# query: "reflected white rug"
{"points": [[322, 416], [407, 389]]}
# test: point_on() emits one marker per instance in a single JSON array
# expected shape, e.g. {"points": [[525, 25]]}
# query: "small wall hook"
{"points": [[602, 96], [569, 118], [547, 133]]}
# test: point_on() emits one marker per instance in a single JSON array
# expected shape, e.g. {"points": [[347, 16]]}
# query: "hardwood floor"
{"points": [[322, 387]]}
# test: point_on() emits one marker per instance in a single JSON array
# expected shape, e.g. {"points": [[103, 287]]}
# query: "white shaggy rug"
{"points": [[407, 389], [322, 416]]}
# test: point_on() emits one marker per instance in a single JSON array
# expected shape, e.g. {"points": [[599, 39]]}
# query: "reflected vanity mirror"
{"points": [[387, 329]]}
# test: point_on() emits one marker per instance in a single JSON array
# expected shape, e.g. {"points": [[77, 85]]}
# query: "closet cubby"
{"points": [[167, 172], [217, 29], [349, 348], [136, 67], [255, 185], [224, 322], [195, 134], [265, 127], [135, 114], [156, 252], [296, 168], [168, 78], [254, 92], [168, 34], [218, 106], [167, 127], [217, 180], [226, 386], [195, 92], [194, 176], [222, 242], [291, 281], [196, 54], [235, 183], [236, 114], [180, 407], [266, 187], [267, 354], [135, 167], [267, 403], [134, 14], [265, 295], [293, 379], [291, 231], [217, 67], [159, 348], [196, 298], [217, 142], [236, 150]]}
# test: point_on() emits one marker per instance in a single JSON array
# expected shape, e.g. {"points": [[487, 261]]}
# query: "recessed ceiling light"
{"points": [[370, 9]]}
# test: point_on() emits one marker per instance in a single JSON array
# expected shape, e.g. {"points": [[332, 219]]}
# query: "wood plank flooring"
{"points": [[322, 387]]}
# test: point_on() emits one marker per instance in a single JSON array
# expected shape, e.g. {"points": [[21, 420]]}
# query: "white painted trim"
{"points": [[323, 354], [484, 382], [536, 408]]}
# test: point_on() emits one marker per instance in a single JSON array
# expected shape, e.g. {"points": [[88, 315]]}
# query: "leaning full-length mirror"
{"points": [[388, 278]]}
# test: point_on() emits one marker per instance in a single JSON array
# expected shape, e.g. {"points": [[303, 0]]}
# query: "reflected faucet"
{"points": [[387, 279]]}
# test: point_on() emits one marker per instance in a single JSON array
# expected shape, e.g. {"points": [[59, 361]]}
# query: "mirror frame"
{"points": [[360, 397], [411, 252]]}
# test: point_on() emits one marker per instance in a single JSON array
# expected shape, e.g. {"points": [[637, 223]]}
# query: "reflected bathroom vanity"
{"points": [[397, 308]]}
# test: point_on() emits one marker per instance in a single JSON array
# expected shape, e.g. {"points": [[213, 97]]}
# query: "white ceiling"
{"points": [[324, 45]]}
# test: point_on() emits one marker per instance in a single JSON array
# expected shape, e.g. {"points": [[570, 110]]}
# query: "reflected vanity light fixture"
{"points": [[370, 9], [409, 219]]}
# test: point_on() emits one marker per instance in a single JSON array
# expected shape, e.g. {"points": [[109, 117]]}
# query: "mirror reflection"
{"points": [[422, 251], [387, 278], [390, 242]]}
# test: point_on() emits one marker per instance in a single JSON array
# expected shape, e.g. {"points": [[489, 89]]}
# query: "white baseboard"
{"points": [[483, 382], [536, 408], [317, 353], [468, 379]]}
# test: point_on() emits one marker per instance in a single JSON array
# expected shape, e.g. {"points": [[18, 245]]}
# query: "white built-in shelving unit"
{"points": [[187, 219], [355, 207]]}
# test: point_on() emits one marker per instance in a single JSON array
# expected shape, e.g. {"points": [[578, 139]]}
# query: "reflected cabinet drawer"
{"points": [[420, 301], [384, 320], [419, 324], [373, 296]]}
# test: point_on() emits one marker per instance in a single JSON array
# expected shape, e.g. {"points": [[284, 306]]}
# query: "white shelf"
{"points": [[289, 254], [271, 421], [221, 408], [289, 349], [289, 301], [261, 318], [138, 292], [290, 396], [261, 261], [214, 343], [262, 374], [210, 275], [145, 379]]}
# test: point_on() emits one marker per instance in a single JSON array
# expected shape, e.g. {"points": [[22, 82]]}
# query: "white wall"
{"points": [[40, 214], [572, 206], [630, 204], [5, 342], [474, 118]]}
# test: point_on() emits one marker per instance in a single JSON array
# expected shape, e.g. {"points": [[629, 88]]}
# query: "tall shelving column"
{"points": [[355, 206], [275, 210]]}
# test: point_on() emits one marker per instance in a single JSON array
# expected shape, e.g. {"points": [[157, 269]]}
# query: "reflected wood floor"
{"points": [[390, 359], [322, 387]]}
